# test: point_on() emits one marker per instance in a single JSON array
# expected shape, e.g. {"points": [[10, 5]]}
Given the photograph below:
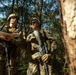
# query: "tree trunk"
{"points": [[67, 10], [12, 6]]}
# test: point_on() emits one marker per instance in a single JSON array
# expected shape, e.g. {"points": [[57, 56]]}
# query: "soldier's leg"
{"points": [[12, 66], [42, 71], [50, 69], [2, 65], [13, 61], [32, 69], [2, 60]]}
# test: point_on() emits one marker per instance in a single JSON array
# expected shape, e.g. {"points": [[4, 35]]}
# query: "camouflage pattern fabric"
{"points": [[42, 71], [13, 50], [37, 68], [32, 69]]}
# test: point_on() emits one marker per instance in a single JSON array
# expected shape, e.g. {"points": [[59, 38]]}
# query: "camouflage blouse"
{"points": [[32, 42]]}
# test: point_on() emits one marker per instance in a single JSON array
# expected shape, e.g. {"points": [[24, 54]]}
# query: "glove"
{"points": [[36, 55], [45, 57]]}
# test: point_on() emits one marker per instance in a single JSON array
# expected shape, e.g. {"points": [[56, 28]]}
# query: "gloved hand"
{"points": [[36, 55], [6, 37], [45, 57]]}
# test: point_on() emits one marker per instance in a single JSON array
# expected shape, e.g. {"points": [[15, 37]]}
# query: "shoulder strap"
{"points": [[37, 35]]}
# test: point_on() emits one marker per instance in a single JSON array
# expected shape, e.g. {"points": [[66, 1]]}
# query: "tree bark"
{"points": [[12, 6], [67, 11]]}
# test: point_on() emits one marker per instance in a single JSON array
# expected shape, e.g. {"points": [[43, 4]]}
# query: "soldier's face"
{"points": [[13, 20], [35, 25]]}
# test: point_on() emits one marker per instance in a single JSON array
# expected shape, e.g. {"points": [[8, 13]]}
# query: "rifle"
{"points": [[42, 51], [6, 46], [42, 48]]}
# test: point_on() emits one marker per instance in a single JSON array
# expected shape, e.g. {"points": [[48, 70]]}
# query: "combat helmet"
{"points": [[12, 15], [35, 20]]}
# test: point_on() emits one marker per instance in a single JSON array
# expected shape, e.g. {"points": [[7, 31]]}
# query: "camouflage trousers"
{"points": [[42, 70], [12, 62], [34, 69], [4, 67]]}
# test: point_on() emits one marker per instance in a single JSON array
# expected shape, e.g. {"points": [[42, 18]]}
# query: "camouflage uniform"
{"points": [[2, 62], [14, 50], [36, 67]]}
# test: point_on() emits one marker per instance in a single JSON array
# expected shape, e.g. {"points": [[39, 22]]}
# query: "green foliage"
{"points": [[47, 12]]}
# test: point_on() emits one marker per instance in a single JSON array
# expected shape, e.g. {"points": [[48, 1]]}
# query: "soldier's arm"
{"points": [[51, 42], [5, 36], [51, 46]]}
